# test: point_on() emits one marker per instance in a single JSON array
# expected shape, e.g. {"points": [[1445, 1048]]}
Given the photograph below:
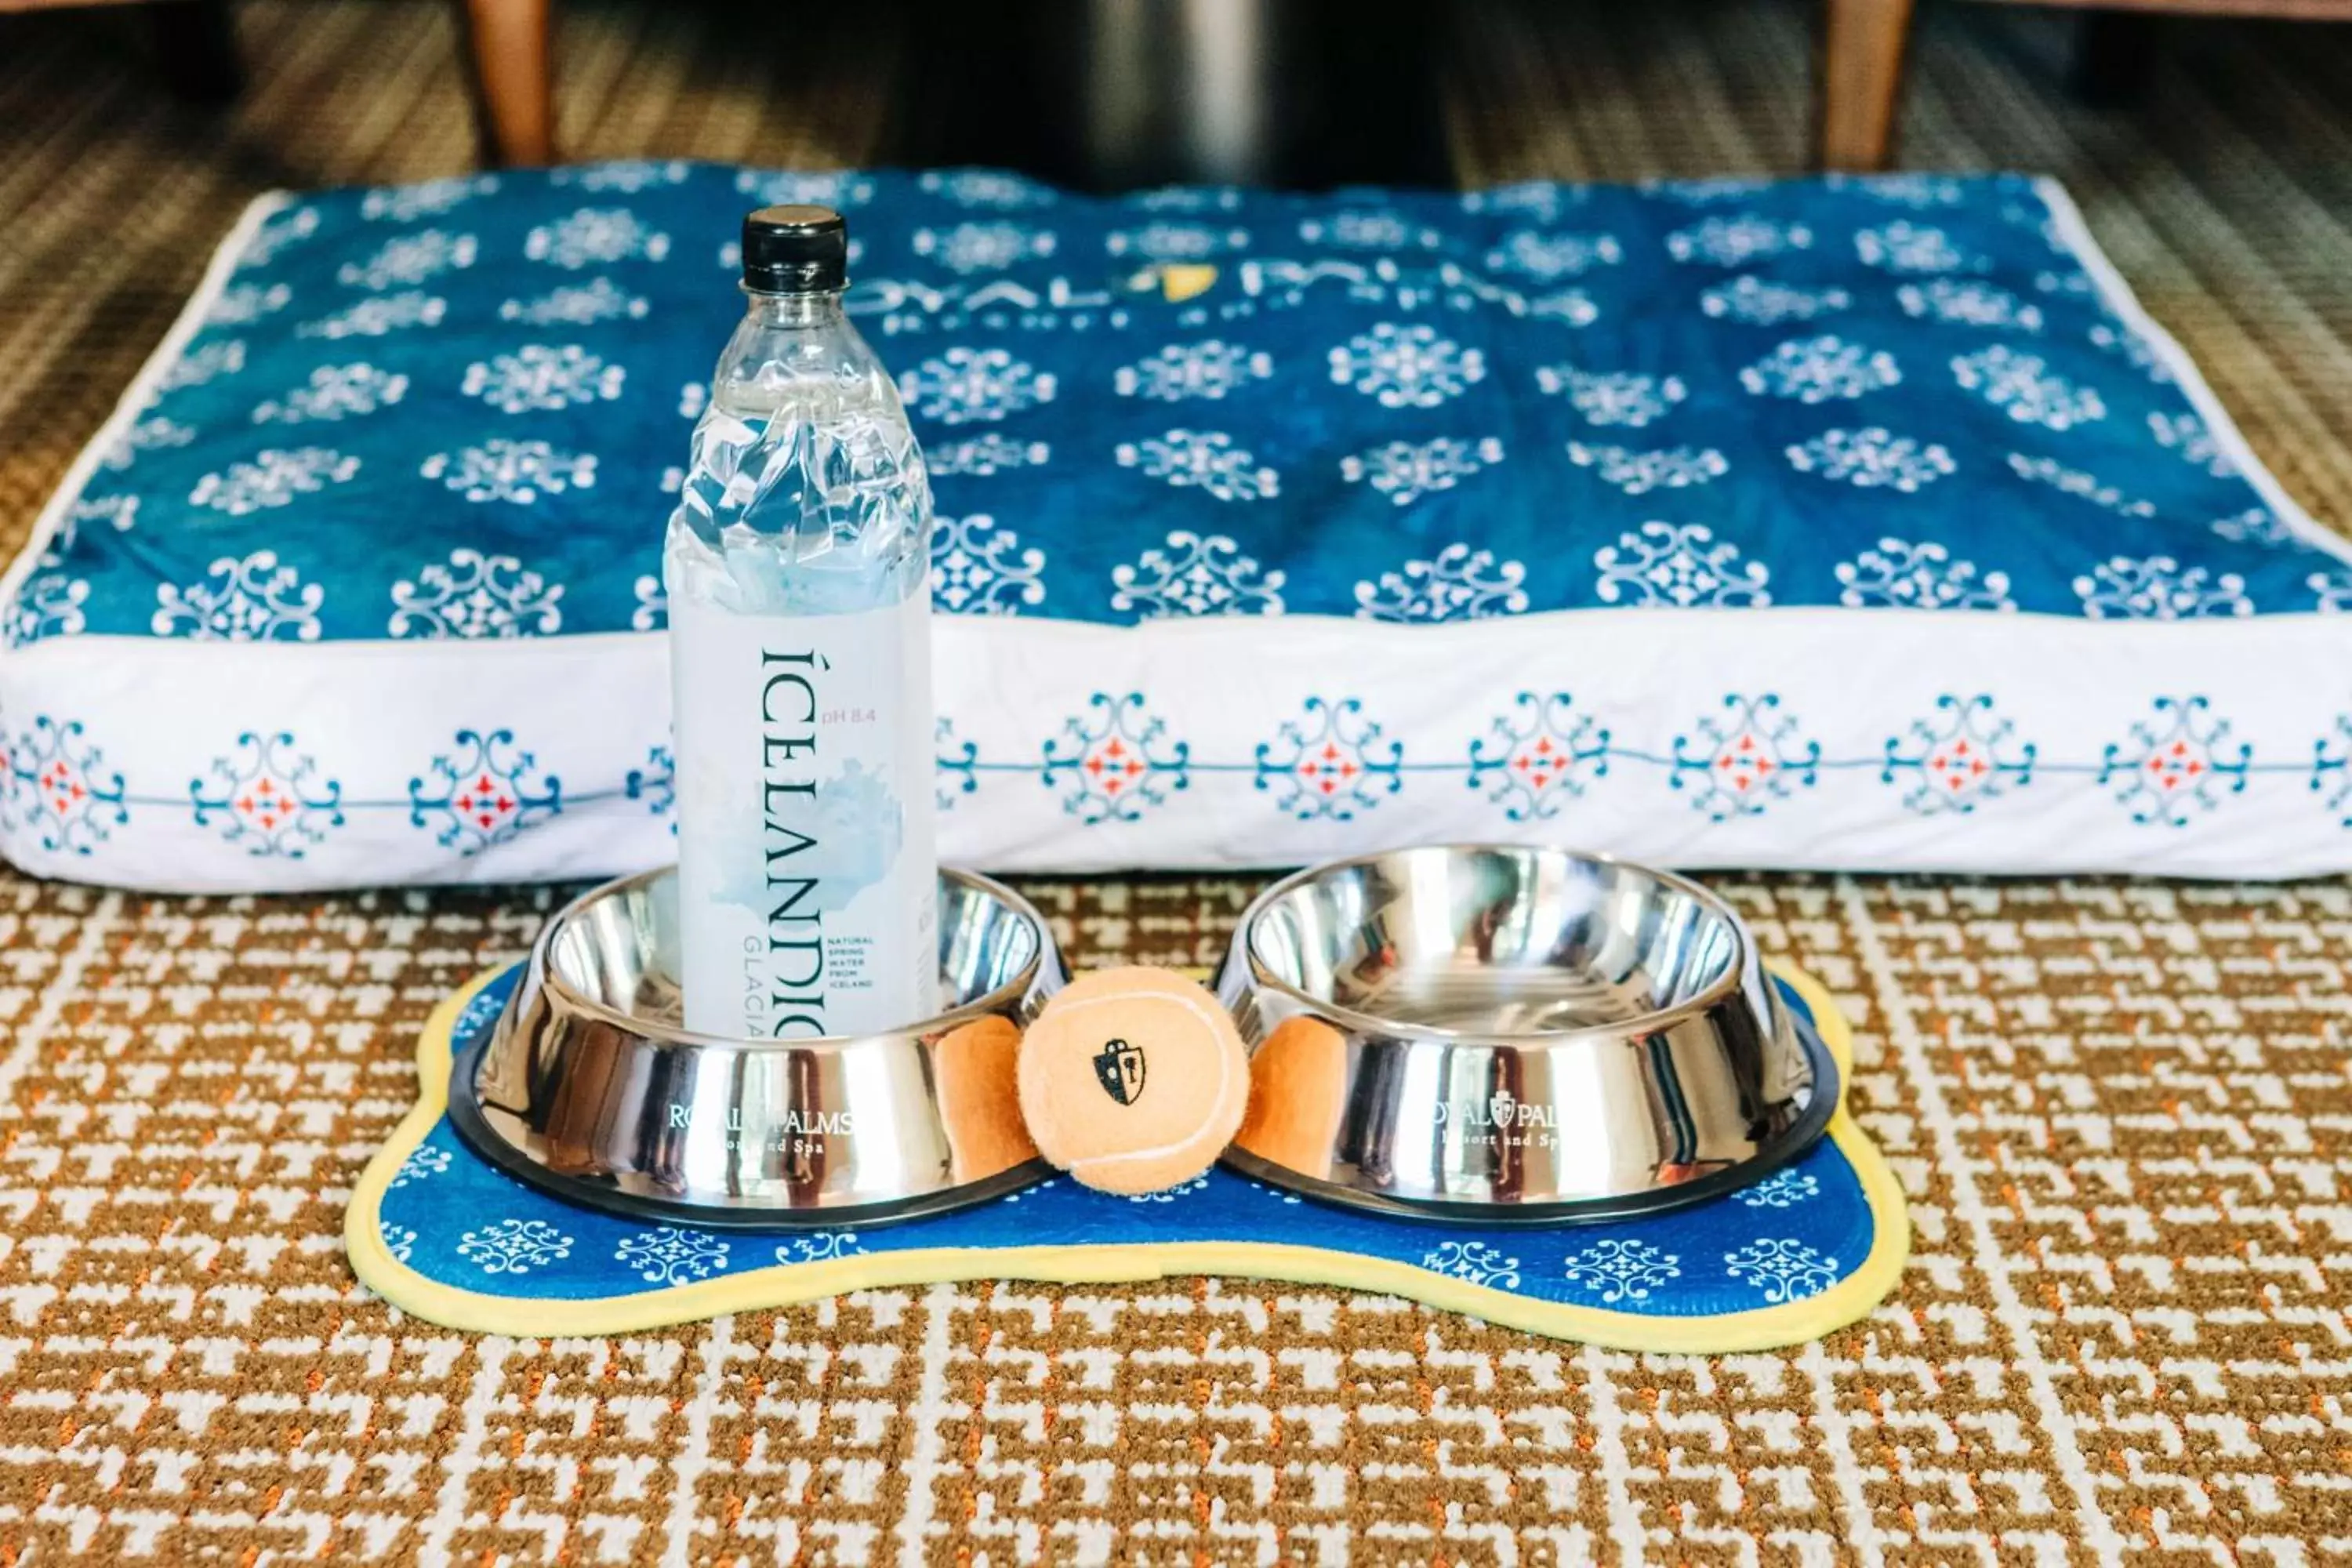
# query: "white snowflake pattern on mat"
{"points": [[1196, 576], [1613, 397], [256, 599], [1175, 241], [965, 384], [795, 187], [1760, 303], [1473, 1261], [1661, 467], [516, 471], [1901, 246], [49, 605], [1404, 471], [990, 188], [335, 391], [539, 376], [2335, 590], [1736, 241], [2187, 434], [1872, 459], [245, 303], [1170, 1195], [2255, 525], [285, 229], [1782, 1269], [272, 479], [627, 177], [1678, 565], [1460, 585], [596, 236], [1966, 303], [579, 305], [985, 455], [1202, 459], [2074, 482], [476, 595], [399, 1240], [1783, 1189], [983, 247], [1531, 253], [424, 1162], [409, 259], [1909, 190], [204, 364], [1406, 367], [979, 569], [821, 1246], [1210, 369], [147, 435], [2133, 350], [669, 1256], [1815, 370], [1922, 576], [2021, 386], [430, 198], [1623, 1270], [2156, 588], [514, 1246], [374, 318]]}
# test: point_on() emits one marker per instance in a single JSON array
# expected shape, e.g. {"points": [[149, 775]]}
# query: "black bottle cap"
{"points": [[795, 250]]}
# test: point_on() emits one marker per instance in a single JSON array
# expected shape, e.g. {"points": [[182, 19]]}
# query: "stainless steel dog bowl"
{"points": [[590, 1089], [1500, 1034]]}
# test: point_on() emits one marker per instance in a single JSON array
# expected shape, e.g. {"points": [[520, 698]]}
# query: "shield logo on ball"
{"points": [[1120, 1066]]}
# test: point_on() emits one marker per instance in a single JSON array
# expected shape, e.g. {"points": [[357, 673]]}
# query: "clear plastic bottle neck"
{"points": [[801, 310]]}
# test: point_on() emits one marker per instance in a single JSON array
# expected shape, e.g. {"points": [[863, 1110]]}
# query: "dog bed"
{"points": [[1847, 522]]}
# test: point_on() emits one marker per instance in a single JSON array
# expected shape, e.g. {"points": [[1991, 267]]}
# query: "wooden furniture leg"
{"points": [[1861, 80], [513, 96]]}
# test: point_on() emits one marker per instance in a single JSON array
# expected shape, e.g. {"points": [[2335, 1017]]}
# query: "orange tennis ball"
{"points": [[1298, 1083], [1133, 1079]]}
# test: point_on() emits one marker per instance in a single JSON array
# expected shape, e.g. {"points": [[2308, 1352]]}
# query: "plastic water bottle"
{"points": [[796, 565]]}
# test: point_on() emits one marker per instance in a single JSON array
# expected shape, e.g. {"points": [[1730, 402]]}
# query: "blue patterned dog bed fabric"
{"points": [[1847, 522]]}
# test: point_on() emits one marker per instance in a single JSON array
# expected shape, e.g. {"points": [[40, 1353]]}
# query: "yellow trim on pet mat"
{"points": [[1763, 1328]]}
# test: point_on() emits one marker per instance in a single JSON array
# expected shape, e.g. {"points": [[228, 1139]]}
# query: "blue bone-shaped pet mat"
{"points": [[440, 1233]]}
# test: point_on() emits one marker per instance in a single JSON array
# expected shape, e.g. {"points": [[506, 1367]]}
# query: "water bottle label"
{"points": [[808, 889]]}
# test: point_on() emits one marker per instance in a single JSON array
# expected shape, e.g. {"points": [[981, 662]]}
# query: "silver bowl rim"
{"points": [[664, 1037], [1732, 981]]}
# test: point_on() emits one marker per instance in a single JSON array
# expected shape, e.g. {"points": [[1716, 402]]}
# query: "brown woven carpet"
{"points": [[2123, 1112]]}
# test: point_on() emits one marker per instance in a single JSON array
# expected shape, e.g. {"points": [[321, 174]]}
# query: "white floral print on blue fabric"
{"points": [[821, 1246], [1638, 473], [400, 1240], [668, 1255], [147, 435], [1919, 191], [48, 604], [1613, 398], [979, 569], [2255, 525], [476, 595], [969, 247], [1473, 1261], [281, 233], [1904, 247], [1761, 303], [1816, 369], [409, 259], [514, 1246], [1532, 253], [594, 236], [542, 376], [1404, 471], [1736, 241], [2074, 482], [429, 198], [1192, 575], [793, 188], [1783, 1270], [204, 364], [334, 391], [1175, 241], [1170, 1195], [1180, 371], [1681, 565], [1460, 585], [1202, 459], [2186, 434], [1872, 459], [990, 188], [1406, 367], [578, 305], [2159, 588], [242, 304], [274, 479], [652, 613], [1623, 1270], [2022, 386], [1966, 302], [424, 1162], [2333, 588], [1368, 230], [376, 317], [519, 472], [627, 177], [1901, 574], [964, 384], [1782, 1189]]}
